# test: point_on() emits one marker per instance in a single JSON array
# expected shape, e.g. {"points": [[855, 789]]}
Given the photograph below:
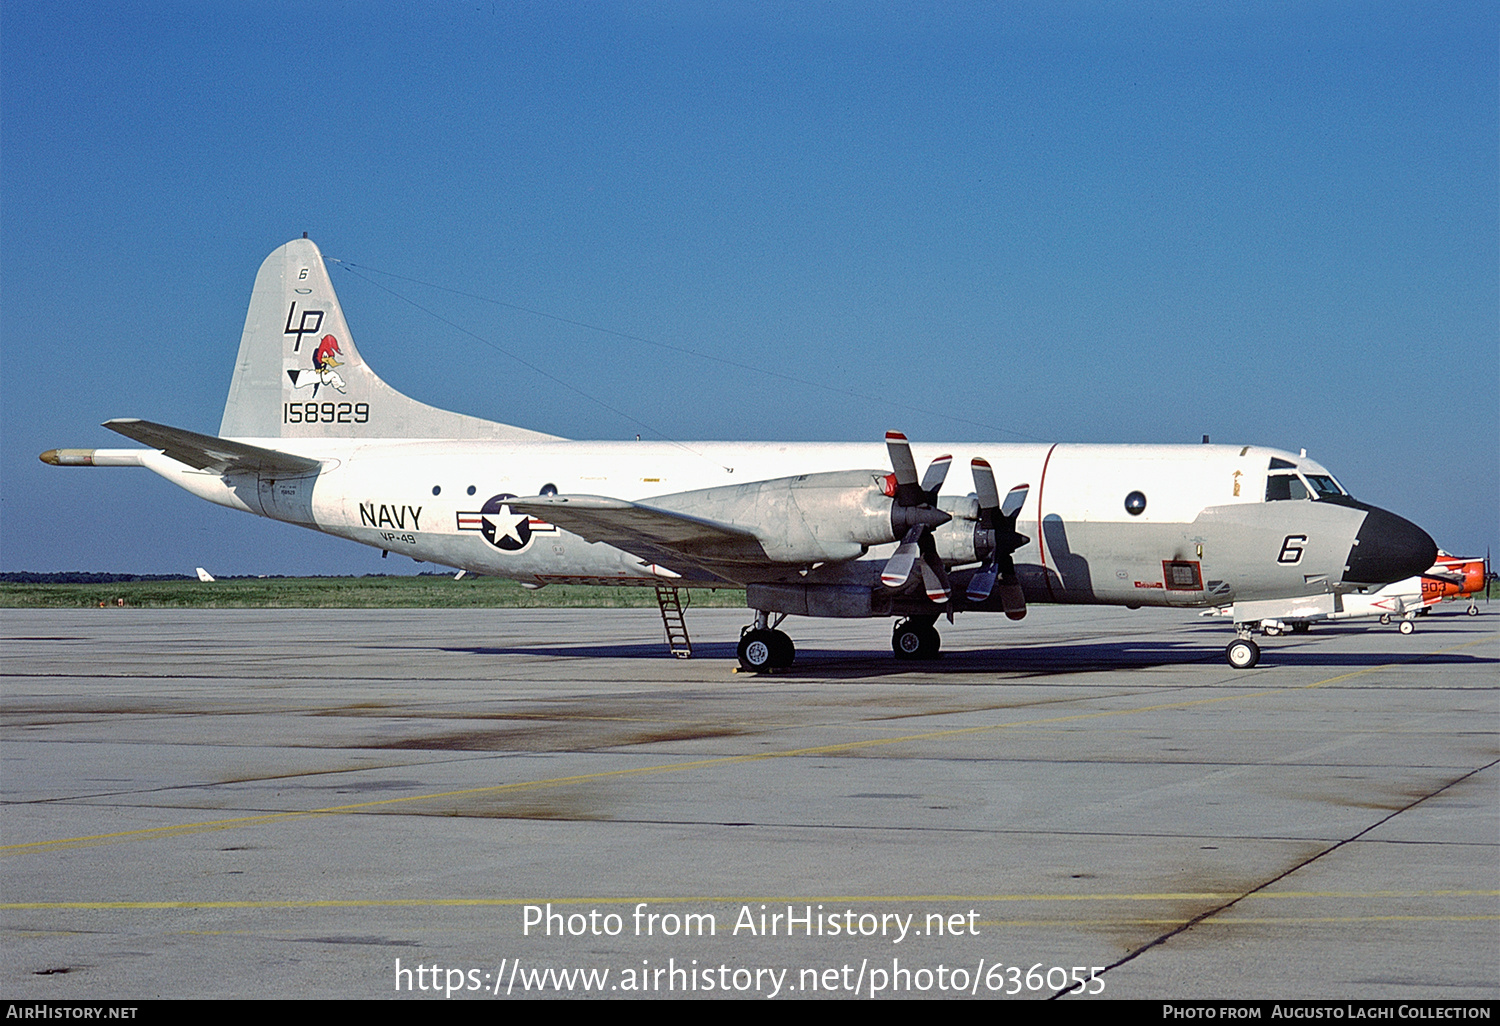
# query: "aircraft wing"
{"points": [[205, 452], [647, 530]]}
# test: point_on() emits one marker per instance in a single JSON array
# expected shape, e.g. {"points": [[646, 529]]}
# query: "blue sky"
{"points": [[1116, 222]]}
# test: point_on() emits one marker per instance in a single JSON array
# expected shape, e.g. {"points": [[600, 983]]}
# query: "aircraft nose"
{"points": [[1387, 549]]}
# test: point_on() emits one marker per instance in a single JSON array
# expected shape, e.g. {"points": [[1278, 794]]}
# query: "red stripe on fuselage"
{"points": [[1041, 544]]}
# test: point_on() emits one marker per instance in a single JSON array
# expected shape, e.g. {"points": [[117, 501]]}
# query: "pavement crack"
{"points": [[1202, 916]]}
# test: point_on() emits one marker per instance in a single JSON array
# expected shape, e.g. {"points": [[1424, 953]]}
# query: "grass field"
{"points": [[428, 592], [431, 592]]}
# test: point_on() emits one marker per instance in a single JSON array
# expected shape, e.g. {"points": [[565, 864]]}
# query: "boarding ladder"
{"points": [[669, 601]]}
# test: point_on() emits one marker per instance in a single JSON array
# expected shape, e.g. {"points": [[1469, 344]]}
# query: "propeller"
{"points": [[997, 536], [1456, 574], [914, 514]]}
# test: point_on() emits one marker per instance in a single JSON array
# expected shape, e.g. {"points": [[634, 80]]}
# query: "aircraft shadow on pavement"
{"points": [[877, 660], [1027, 661]]}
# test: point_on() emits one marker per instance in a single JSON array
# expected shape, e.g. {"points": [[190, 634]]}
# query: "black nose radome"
{"points": [[1388, 549]]}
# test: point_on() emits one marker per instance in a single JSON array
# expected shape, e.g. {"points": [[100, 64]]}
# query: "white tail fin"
{"points": [[298, 374]]}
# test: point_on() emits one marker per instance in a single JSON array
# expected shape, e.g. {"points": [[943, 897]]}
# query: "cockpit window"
{"points": [[1284, 486], [1324, 485], [1292, 486]]}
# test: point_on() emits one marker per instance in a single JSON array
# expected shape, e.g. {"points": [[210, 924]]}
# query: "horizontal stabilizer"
{"points": [[219, 455]]}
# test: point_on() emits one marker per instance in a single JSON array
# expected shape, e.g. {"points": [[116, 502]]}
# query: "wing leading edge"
{"points": [[647, 530]]}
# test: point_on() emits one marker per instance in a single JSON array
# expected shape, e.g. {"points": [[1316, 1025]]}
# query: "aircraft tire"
{"points": [[1472, 610], [1272, 632], [907, 641], [1406, 627], [1385, 619], [932, 641], [1301, 628], [1242, 653], [757, 651], [783, 652]]}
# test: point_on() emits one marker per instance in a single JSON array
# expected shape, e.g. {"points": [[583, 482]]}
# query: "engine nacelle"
{"points": [[962, 539], [810, 518]]}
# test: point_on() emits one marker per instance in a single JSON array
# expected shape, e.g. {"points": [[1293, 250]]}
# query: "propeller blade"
{"points": [[937, 472], [935, 583], [1013, 600], [984, 484], [983, 581], [901, 459], [934, 577], [1014, 500], [898, 568]]}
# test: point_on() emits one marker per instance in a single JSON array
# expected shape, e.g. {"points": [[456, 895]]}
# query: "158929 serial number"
{"points": [[325, 413]]}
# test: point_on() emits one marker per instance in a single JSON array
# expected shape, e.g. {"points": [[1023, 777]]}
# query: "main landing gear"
{"points": [[763, 648], [916, 638]]}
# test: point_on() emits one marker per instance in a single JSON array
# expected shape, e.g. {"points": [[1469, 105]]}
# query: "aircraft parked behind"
{"points": [[1450, 578]]}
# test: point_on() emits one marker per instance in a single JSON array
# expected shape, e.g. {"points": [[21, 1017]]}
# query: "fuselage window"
{"points": [[1284, 486]]}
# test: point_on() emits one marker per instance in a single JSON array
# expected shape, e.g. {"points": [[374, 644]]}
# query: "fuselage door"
{"points": [[288, 498]]}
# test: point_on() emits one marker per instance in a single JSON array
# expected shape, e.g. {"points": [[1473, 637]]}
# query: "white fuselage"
{"points": [[1204, 506]]}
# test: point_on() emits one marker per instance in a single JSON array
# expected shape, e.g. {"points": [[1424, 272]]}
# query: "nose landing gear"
{"points": [[1242, 653]]}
